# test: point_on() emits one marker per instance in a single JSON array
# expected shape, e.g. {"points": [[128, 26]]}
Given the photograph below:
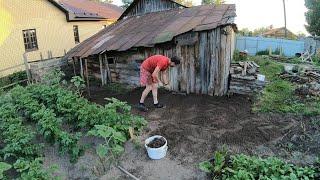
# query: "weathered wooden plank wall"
{"points": [[205, 65], [148, 6]]}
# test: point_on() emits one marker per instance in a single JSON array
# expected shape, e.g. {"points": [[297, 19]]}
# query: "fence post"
{"points": [[25, 60]]}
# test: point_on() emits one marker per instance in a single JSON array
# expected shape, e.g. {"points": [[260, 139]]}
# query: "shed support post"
{"points": [[102, 74], [81, 68], [107, 69], [74, 66], [87, 76]]}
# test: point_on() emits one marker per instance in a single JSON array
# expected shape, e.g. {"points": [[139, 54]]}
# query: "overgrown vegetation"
{"points": [[279, 95], [277, 51], [246, 167], [116, 88], [59, 116], [13, 78]]}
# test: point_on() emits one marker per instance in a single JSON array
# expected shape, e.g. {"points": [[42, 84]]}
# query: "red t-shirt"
{"points": [[152, 62]]}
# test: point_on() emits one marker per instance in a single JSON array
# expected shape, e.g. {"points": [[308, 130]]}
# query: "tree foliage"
{"points": [[313, 16], [126, 3]]}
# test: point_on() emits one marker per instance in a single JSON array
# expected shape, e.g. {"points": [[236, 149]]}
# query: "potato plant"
{"points": [[250, 167], [60, 116]]}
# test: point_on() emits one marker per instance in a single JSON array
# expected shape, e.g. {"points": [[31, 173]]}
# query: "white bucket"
{"points": [[261, 77], [156, 153]]}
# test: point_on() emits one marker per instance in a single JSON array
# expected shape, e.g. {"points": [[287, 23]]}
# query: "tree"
{"points": [[313, 16], [213, 1], [187, 3], [126, 3]]}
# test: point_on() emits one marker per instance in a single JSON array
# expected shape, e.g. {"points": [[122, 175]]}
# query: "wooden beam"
{"points": [[101, 70], [107, 69], [81, 68], [87, 77], [74, 66]]}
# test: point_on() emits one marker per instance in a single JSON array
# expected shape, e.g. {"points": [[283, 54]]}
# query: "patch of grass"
{"points": [[278, 96], [269, 68]]}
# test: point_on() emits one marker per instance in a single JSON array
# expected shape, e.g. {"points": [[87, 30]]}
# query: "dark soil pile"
{"points": [[157, 142]]}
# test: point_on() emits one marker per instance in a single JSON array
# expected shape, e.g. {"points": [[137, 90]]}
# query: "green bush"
{"points": [[243, 167]]}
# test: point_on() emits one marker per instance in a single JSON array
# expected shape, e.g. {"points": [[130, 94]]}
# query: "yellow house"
{"points": [[47, 28]]}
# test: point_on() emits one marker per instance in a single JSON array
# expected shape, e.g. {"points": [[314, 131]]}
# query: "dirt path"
{"points": [[195, 126]]}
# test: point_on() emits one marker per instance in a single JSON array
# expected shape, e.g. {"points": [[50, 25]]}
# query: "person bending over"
{"points": [[150, 70]]}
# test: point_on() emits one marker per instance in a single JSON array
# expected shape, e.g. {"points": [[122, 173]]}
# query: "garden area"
{"points": [[54, 130]]}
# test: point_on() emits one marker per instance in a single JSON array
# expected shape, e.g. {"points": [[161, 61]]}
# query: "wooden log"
{"points": [[212, 62], [107, 69], [102, 76], [202, 51], [228, 58], [87, 76], [183, 81], [81, 68], [178, 68], [192, 68], [218, 62]]}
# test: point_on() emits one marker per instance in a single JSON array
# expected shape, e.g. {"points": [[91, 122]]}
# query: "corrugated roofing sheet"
{"points": [[87, 8], [152, 28]]}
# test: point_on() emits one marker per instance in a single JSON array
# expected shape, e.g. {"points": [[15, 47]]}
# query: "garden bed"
{"points": [[196, 126]]}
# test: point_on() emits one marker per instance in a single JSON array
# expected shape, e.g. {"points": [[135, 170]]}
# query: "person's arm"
{"points": [[164, 77], [155, 75]]}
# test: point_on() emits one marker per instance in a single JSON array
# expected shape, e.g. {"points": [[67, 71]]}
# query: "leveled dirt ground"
{"points": [[196, 126]]}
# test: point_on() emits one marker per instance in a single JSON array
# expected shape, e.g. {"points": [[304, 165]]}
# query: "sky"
{"points": [[253, 14]]}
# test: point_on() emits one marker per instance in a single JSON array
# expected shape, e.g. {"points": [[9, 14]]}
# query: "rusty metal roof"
{"points": [[153, 28], [85, 10], [105, 10]]}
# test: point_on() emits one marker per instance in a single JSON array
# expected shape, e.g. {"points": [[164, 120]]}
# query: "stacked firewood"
{"points": [[313, 75], [244, 78]]}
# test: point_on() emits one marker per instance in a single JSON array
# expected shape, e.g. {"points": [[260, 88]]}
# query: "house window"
{"points": [[76, 34], [30, 40]]}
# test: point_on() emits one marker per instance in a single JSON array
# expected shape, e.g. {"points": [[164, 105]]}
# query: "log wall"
{"points": [[148, 6], [204, 69]]}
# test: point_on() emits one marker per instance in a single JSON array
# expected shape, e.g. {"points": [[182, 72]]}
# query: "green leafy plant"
{"points": [[3, 168], [34, 169], [251, 167], [78, 83], [113, 140]]}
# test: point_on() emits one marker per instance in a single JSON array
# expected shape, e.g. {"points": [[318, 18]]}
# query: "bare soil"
{"points": [[197, 125]]}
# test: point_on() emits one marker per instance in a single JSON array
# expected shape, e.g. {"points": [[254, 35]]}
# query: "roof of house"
{"points": [[84, 10], [275, 31], [153, 28]]}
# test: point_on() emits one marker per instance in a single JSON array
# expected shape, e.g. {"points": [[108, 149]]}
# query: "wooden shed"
{"points": [[203, 36]]}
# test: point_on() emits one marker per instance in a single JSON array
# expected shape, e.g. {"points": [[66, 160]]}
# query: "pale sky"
{"points": [[260, 13]]}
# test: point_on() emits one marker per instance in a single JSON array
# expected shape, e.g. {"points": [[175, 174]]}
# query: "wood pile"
{"points": [[244, 78], [313, 75]]}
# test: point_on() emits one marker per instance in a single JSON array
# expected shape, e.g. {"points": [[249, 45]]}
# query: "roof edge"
{"points": [[71, 17]]}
